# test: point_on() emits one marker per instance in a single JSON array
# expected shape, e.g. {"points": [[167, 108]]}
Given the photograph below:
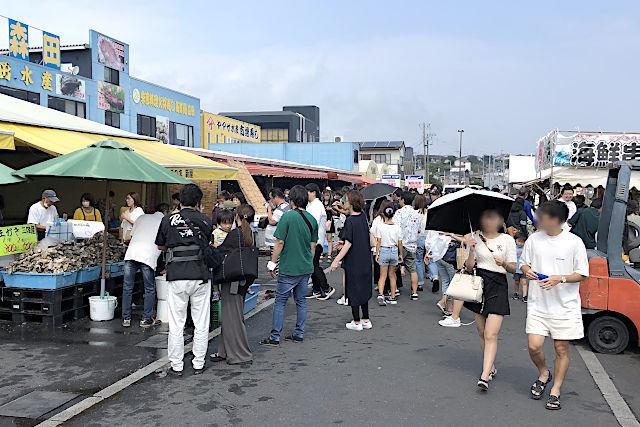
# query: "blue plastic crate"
{"points": [[89, 274], [1, 278], [40, 280], [251, 301], [117, 269]]}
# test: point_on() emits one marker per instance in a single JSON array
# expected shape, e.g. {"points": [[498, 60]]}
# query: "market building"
{"points": [[92, 81], [218, 129], [298, 123]]}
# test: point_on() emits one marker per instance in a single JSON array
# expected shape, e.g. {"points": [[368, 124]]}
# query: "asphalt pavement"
{"points": [[406, 371]]}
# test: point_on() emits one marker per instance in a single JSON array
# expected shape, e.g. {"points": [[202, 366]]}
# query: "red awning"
{"points": [[278, 171], [368, 181], [355, 179]]}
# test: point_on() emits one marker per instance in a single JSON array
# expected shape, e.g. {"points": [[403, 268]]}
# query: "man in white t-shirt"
{"points": [[566, 197], [276, 207], [43, 211], [321, 289], [142, 254], [559, 258]]}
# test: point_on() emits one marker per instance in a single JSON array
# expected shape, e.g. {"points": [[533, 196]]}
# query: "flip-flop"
{"points": [[539, 387], [553, 403], [215, 357]]}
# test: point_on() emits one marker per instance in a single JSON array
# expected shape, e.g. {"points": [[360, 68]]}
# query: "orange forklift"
{"points": [[611, 294]]}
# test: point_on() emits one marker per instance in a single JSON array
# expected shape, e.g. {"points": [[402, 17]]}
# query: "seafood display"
{"points": [[68, 256]]}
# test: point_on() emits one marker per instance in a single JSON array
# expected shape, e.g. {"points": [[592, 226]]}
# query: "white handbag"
{"points": [[466, 287]]}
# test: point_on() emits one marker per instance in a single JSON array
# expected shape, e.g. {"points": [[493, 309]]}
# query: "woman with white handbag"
{"points": [[492, 254]]}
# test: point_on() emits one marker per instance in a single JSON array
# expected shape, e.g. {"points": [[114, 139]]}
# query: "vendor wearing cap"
{"points": [[43, 211]]}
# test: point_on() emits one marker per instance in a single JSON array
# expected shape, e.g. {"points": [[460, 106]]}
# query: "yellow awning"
{"points": [[59, 141], [6, 141]]}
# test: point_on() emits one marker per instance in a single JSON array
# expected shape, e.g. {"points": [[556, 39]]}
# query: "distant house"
{"points": [[390, 153]]}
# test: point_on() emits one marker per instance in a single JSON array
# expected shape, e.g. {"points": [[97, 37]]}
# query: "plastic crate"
{"points": [[251, 301], [89, 274], [117, 269], [40, 280]]}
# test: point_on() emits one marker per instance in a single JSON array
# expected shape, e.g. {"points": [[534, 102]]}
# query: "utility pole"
{"points": [[426, 142], [461, 179]]}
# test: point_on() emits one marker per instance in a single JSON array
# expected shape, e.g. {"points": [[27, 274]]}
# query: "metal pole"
{"points": [[425, 151], [461, 179], [104, 241]]}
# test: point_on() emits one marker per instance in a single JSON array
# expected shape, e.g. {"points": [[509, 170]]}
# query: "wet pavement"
{"points": [[407, 370], [80, 357]]}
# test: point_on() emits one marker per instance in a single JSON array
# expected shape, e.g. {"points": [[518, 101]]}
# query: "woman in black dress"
{"points": [[234, 345], [356, 261], [492, 254]]}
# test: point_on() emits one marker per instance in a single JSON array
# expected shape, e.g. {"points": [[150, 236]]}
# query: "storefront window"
{"points": [[146, 125], [112, 119], [21, 94], [180, 134], [74, 108]]}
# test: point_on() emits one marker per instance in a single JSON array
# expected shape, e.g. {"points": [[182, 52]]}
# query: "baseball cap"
{"points": [[51, 195], [523, 191]]}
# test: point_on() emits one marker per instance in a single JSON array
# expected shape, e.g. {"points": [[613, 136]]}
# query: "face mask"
{"points": [[86, 203]]}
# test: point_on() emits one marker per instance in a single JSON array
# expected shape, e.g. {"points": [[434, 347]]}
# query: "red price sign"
{"points": [[17, 238]]}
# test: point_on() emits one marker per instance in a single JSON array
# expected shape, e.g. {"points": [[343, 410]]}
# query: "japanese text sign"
{"points": [[415, 181], [596, 150], [391, 180], [17, 238], [50, 50], [18, 40]]}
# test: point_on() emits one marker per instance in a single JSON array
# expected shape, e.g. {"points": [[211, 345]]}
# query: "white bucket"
{"points": [[162, 288], [102, 308], [162, 311]]}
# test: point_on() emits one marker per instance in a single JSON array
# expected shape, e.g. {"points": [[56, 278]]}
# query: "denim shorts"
{"points": [[388, 255]]}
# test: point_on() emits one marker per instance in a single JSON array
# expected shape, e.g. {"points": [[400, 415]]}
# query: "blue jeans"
{"points": [[445, 272], [149, 280], [286, 284], [431, 268]]}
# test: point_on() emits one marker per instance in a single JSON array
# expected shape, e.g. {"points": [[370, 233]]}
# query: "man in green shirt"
{"points": [[584, 223], [296, 238]]}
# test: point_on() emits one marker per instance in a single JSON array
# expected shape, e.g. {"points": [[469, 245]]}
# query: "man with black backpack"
{"points": [[295, 244], [185, 236]]}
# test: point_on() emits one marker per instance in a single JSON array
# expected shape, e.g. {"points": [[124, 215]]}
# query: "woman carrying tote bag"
{"points": [[492, 254], [234, 345]]}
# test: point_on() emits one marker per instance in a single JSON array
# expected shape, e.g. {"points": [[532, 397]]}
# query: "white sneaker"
{"points": [[343, 300], [450, 322], [367, 325], [381, 300], [353, 326]]}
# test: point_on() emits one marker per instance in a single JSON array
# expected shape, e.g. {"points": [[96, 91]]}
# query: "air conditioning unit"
{"points": [[338, 139]]}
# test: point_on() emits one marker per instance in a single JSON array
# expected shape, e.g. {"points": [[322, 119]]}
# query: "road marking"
{"points": [[118, 386], [609, 391]]}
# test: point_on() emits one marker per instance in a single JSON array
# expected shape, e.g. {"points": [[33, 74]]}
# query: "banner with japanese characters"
{"points": [[17, 239], [595, 150], [18, 40], [393, 180], [415, 181]]}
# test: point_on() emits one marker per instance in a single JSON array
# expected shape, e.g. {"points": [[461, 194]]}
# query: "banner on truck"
{"points": [[415, 181], [391, 180], [17, 238]]}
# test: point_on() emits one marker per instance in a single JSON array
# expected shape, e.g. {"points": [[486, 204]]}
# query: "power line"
{"points": [[426, 142]]}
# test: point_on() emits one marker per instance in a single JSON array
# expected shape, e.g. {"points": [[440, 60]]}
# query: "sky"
{"points": [[507, 72]]}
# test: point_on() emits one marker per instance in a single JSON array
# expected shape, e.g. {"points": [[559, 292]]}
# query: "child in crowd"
{"points": [[388, 253], [520, 280], [225, 220]]}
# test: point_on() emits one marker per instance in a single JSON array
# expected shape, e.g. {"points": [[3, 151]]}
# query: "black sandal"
{"points": [[553, 403], [215, 357], [539, 387]]}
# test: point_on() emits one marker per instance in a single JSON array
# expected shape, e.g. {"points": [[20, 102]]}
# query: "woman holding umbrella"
{"points": [[492, 254]]}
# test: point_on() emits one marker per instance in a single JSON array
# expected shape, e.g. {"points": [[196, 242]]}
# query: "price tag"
{"points": [[16, 239]]}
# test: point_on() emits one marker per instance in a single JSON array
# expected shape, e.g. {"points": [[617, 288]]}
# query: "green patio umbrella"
{"points": [[107, 160], [7, 177]]}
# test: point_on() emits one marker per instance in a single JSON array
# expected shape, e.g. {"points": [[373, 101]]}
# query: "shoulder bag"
{"points": [[239, 264]]}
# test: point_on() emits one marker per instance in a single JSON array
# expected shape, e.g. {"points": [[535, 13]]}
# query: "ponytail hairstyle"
{"points": [[386, 210], [246, 214]]}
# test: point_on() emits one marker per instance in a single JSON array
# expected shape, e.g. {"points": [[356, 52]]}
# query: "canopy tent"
{"points": [[583, 176], [59, 133], [107, 160], [7, 177], [6, 141]]}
